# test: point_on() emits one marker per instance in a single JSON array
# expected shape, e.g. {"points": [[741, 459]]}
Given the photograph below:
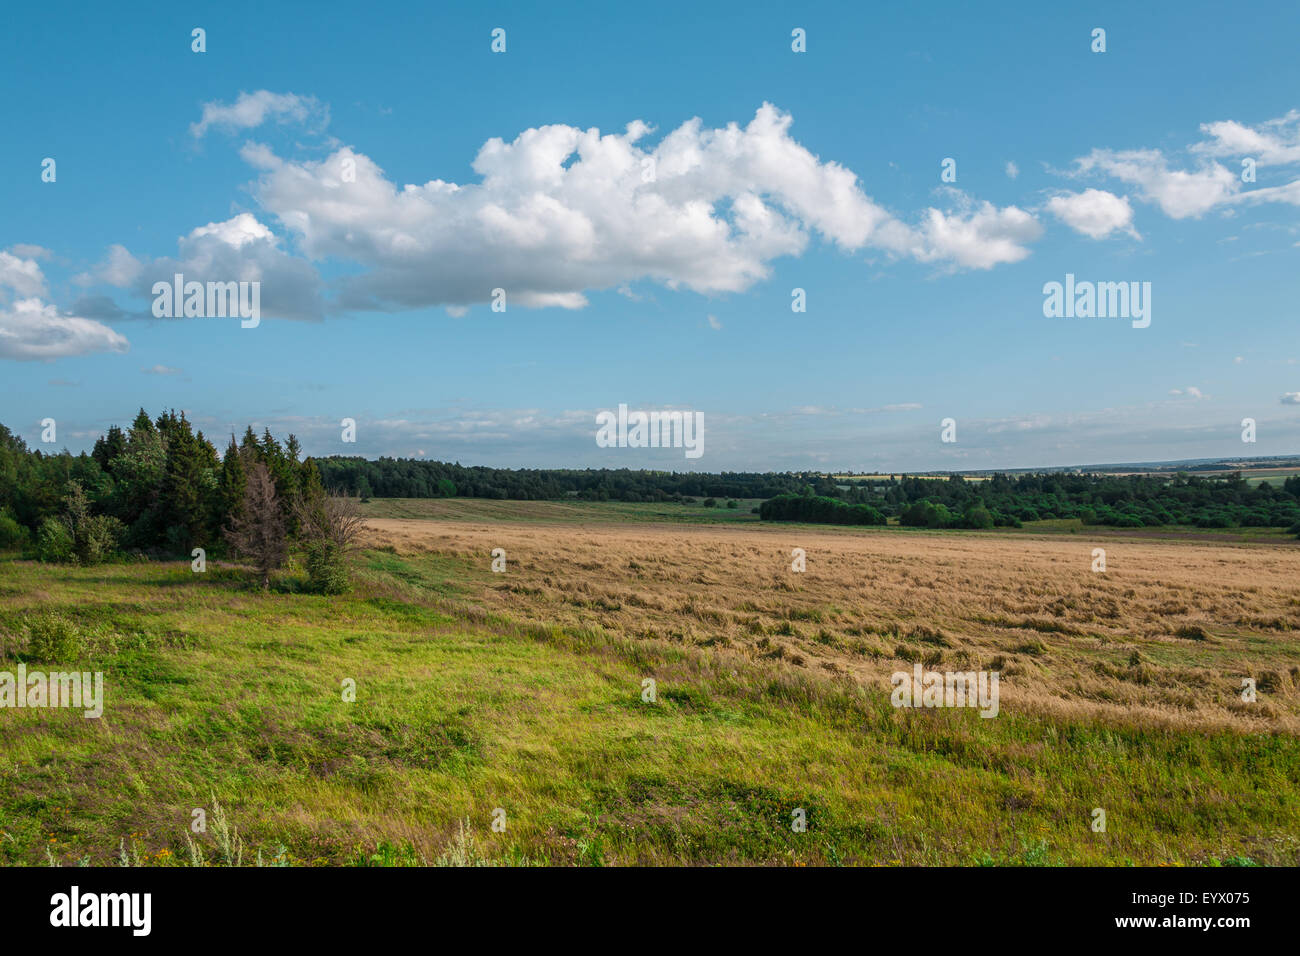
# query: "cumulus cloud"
{"points": [[253, 109], [23, 276], [1094, 212], [119, 268], [1291, 398], [1206, 183], [32, 329], [1191, 391], [977, 235], [162, 370], [239, 249], [1275, 142], [1012, 169], [555, 213], [559, 211], [1179, 193]]}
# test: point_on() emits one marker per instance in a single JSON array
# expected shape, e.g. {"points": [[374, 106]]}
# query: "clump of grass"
{"points": [[463, 850], [929, 635], [54, 638]]}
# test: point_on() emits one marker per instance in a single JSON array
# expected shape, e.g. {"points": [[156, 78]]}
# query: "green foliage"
{"points": [[94, 537], [710, 502], [157, 487], [12, 534], [327, 568], [54, 638], [818, 509], [54, 542], [977, 516]]}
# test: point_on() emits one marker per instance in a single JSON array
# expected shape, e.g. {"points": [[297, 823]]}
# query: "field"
{"points": [[520, 694]]}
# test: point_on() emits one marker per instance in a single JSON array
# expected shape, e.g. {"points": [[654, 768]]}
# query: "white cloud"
{"points": [[1180, 194], [1192, 192], [1275, 142], [975, 235], [27, 250], [1012, 169], [714, 322], [162, 370], [1291, 398], [30, 329], [253, 109], [560, 211], [23, 276], [240, 249], [1191, 391], [119, 268], [1094, 212]]}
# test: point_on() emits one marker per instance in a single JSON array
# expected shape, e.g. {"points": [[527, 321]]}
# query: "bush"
{"points": [[926, 514], [54, 542], [53, 638], [818, 509], [977, 516], [326, 568], [12, 534], [98, 538], [710, 502], [733, 504]]}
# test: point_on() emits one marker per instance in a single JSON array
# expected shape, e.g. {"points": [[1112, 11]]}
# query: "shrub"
{"points": [[710, 502], [12, 534], [326, 568], [53, 638], [818, 509], [977, 516], [98, 538], [733, 504], [54, 542]]}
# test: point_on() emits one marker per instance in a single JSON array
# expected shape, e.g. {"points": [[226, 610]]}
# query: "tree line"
{"points": [[160, 489]]}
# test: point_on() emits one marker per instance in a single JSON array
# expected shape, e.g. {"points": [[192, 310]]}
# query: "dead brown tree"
{"points": [[259, 532], [332, 519]]}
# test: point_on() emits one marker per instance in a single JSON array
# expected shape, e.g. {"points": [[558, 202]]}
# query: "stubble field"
{"points": [[517, 697]]}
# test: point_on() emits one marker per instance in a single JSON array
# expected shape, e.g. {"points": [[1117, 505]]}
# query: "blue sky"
{"points": [[774, 170]]}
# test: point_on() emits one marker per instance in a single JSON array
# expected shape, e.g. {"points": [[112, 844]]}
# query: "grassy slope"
{"points": [[214, 689]]}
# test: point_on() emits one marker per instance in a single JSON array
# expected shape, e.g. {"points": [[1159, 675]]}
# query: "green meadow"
{"points": [[225, 699]]}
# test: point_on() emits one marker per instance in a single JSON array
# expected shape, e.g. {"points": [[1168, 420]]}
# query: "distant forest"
{"points": [[160, 487], [1122, 501]]}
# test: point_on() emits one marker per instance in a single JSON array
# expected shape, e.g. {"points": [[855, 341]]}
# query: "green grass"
{"points": [[218, 693], [563, 512]]}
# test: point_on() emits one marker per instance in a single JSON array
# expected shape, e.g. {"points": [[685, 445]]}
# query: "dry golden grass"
{"points": [[1163, 637]]}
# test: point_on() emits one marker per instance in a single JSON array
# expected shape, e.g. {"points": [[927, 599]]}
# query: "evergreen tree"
{"points": [[108, 447], [234, 479]]}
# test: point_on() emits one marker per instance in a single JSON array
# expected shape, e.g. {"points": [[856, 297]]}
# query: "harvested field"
{"points": [[1166, 634]]}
